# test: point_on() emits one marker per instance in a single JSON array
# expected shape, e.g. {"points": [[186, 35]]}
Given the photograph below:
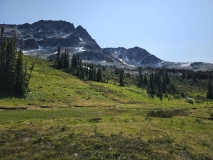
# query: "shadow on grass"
{"points": [[168, 113]]}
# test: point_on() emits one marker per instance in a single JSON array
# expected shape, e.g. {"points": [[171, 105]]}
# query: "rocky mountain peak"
{"points": [[86, 39], [134, 56], [83, 33]]}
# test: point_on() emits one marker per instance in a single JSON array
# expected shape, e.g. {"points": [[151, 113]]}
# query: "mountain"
{"points": [[137, 56], [42, 38], [86, 40], [134, 56]]}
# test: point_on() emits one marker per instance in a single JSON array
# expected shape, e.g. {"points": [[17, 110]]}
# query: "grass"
{"points": [[66, 118], [102, 132]]}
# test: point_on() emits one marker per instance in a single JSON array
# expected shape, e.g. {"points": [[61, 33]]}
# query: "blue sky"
{"points": [[173, 30]]}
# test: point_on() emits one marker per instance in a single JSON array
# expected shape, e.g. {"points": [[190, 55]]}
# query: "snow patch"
{"points": [[139, 62], [65, 36], [127, 59], [186, 64], [26, 39], [39, 39], [79, 49], [160, 63], [27, 52], [126, 63], [40, 47]]}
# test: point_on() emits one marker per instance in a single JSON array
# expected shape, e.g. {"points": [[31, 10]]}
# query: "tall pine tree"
{"points": [[21, 81], [209, 93], [13, 79], [121, 77]]}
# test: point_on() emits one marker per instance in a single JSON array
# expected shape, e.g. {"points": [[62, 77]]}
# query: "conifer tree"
{"points": [[140, 78], [94, 74], [167, 80], [145, 81], [67, 61], [21, 81], [10, 66], [152, 85], [209, 93], [121, 77], [13, 79], [2, 60], [164, 85], [91, 73], [60, 62], [99, 75], [58, 54]]}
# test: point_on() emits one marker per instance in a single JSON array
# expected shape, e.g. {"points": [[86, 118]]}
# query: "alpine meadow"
{"points": [[62, 96]]}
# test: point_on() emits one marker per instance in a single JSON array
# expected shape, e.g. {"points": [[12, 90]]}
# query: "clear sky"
{"points": [[173, 30]]}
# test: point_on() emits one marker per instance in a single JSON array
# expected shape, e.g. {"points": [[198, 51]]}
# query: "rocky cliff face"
{"points": [[44, 34], [43, 37], [135, 56], [86, 40]]}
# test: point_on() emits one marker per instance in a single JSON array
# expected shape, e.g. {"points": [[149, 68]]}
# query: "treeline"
{"points": [[14, 76], [78, 68], [185, 74], [160, 77], [157, 83]]}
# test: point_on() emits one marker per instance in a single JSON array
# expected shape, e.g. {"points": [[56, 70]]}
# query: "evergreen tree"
{"points": [[145, 81], [164, 85], [91, 73], [13, 79], [60, 62], [167, 80], [121, 77], [21, 82], [10, 67], [183, 75], [58, 54], [99, 75], [104, 68], [140, 79], [94, 74], [152, 84], [116, 71], [3, 51], [209, 93], [67, 62]]}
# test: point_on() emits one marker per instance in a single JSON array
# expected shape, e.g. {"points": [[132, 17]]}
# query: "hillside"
{"points": [[55, 88], [51, 87], [67, 118]]}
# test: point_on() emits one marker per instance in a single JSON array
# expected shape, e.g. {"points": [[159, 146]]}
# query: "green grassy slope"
{"points": [[67, 118], [55, 88]]}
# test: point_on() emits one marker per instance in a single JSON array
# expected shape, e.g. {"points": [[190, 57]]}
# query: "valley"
{"points": [[82, 101]]}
